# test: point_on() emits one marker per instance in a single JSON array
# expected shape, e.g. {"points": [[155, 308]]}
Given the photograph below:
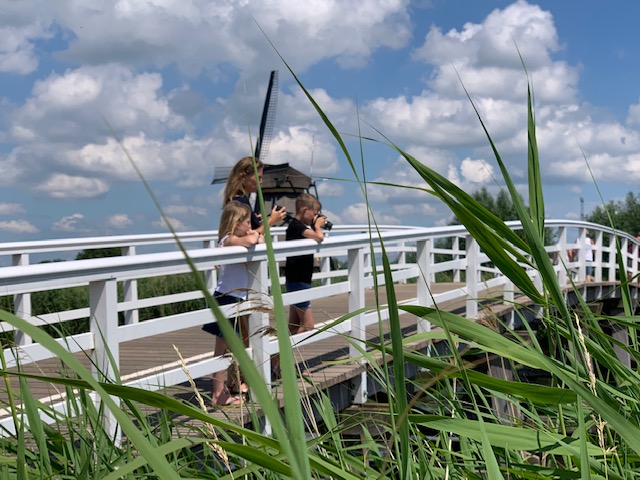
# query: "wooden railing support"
{"points": [[355, 259], [103, 307], [22, 302], [473, 276], [130, 291]]}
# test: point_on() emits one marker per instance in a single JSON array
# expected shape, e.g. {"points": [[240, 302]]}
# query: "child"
{"points": [[307, 223], [233, 280]]}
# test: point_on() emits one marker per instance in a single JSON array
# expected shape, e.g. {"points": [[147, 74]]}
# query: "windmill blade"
{"points": [[220, 175], [265, 131], [268, 117]]}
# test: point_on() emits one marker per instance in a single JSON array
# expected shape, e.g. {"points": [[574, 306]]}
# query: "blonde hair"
{"points": [[236, 180], [233, 213], [307, 200]]}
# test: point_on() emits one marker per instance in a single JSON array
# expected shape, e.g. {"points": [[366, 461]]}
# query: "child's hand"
{"points": [[319, 222], [255, 236]]}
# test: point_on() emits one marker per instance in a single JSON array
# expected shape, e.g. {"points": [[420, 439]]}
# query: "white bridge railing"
{"points": [[424, 255]]}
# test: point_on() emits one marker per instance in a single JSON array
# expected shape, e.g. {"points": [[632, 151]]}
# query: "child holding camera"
{"points": [[306, 223]]}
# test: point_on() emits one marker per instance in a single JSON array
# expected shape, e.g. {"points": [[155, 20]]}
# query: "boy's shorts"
{"points": [[213, 328], [297, 286]]}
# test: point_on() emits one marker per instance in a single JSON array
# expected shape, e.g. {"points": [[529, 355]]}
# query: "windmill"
{"points": [[281, 184]]}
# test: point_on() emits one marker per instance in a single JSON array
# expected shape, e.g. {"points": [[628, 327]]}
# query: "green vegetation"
{"points": [[74, 298], [583, 423], [625, 215]]}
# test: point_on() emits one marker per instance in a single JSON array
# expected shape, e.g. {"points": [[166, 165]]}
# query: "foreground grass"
{"points": [[583, 424]]}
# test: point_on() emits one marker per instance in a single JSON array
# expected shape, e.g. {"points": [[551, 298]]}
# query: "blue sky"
{"points": [[182, 82]]}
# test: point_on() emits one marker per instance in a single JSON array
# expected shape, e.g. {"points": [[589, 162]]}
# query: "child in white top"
{"points": [[233, 280]]}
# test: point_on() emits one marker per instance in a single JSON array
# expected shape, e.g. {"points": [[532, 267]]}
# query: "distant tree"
{"points": [[501, 206], [99, 253], [625, 214]]}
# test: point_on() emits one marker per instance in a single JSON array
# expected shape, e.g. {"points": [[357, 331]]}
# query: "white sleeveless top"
{"points": [[233, 279]]}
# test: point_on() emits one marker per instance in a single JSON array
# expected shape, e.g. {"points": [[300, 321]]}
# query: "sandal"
{"points": [[231, 401], [234, 390]]}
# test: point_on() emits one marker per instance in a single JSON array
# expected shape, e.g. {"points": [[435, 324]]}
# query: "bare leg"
{"points": [[218, 396], [294, 319], [306, 320]]}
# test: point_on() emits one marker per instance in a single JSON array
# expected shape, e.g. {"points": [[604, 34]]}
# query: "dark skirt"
{"points": [[213, 328]]}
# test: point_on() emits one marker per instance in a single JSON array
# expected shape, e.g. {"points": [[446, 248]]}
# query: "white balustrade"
{"points": [[428, 259]]}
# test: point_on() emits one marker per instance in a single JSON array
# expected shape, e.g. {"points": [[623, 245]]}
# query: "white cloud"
{"points": [[119, 221], [17, 226], [358, 214], [185, 210], [476, 171], [175, 223], [224, 33], [329, 189], [74, 105], [67, 186], [19, 31], [10, 208], [71, 224]]}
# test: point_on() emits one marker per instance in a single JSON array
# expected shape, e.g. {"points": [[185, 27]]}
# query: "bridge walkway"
{"points": [[322, 359]]}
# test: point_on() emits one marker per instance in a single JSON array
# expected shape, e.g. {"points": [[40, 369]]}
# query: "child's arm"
{"points": [[249, 240], [315, 232]]}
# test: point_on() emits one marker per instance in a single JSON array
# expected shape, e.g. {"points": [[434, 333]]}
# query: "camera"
{"points": [[327, 224], [288, 216]]}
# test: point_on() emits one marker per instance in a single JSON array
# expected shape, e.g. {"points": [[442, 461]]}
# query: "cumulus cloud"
{"points": [[17, 226], [67, 186], [358, 213], [348, 32], [184, 210], [476, 171], [329, 189], [10, 208], [71, 224], [73, 106], [175, 223], [119, 221]]}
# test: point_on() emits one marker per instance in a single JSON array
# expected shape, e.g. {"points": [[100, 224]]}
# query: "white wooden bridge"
{"points": [[143, 351]]}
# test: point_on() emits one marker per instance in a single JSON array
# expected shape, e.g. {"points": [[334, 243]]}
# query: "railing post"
{"points": [[103, 311], [563, 257], [259, 322], [130, 291], [402, 259], [597, 256], [635, 259], [423, 282], [508, 296], [455, 246], [22, 302], [355, 258], [472, 276], [259, 319], [582, 259], [325, 267], [210, 276], [612, 257]]}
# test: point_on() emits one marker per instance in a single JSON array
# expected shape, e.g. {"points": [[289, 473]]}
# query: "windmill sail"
{"points": [[268, 118], [265, 131]]}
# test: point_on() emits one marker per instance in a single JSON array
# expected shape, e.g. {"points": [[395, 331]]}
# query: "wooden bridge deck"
{"points": [[158, 352]]}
